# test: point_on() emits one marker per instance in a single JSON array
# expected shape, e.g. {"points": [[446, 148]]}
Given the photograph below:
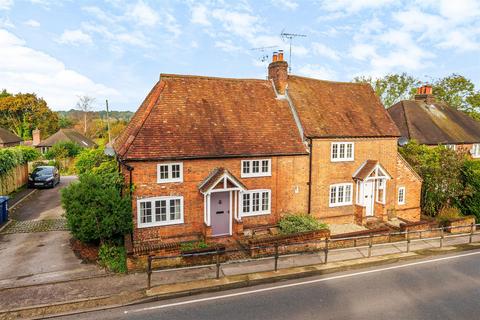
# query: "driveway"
{"points": [[35, 247]]}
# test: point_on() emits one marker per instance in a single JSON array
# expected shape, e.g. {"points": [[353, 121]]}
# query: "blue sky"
{"points": [[116, 49]]}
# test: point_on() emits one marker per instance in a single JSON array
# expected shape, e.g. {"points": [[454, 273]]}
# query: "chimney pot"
{"points": [[425, 93], [280, 55], [275, 57]]}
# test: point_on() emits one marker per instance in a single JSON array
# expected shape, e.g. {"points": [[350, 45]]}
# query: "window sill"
{"points": [[255, 175], [339, 205], [158, 224], [246, 215], [342, 160], [168, 181]]}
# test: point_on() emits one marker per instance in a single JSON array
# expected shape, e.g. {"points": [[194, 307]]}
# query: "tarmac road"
{"points": [[439, 287]]}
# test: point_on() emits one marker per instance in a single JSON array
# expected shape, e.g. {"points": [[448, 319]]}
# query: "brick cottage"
{"points": [[211, 157]]}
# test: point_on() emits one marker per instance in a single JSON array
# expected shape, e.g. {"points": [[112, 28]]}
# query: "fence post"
{"points": [[355, 242], [441, 238], [217, 262], [408, 240], [326, 250], [370, 243], [149, 272], [276, 256], [471, 233]]}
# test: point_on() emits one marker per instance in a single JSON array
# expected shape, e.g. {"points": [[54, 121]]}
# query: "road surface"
{"points": [[440, 287]]}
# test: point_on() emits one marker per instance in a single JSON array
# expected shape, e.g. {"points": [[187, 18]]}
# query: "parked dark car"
{"points": [[44, 176]]}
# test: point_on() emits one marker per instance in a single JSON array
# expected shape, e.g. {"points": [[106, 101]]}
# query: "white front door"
{"points": [[369, 199]]}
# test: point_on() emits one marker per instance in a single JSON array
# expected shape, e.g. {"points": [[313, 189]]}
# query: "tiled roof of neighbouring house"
{"points": [[330, 109], [8, 137], [434, 123], [68, 135], [201, 117]]}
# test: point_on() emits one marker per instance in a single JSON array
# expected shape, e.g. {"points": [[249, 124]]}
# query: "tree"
{"points": [[440, 169], [64, 122], [89, 159], [459, 93], [392, 88], [23, 112], [85, 104], [63, 150]]}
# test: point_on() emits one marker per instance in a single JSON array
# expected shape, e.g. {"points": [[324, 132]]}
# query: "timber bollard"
{"points": [[326, 250], [149, 272], [471, 233], [370, 244], [276, 257], [408, 241], [217, 263], [441, 238]]}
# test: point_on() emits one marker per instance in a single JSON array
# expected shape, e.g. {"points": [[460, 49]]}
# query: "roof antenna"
{"points": [[264, 56], [289, 37]]}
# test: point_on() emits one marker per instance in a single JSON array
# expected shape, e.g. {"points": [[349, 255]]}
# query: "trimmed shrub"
{"points": [[193, 245], [95, 209], [113, 257], [89, 159], [299, 223], [448, 213], [15, 156]]}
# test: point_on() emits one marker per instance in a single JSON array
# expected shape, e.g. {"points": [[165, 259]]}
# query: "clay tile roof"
{"points": [[365, 170], [68, 135], [205, 117], [339, 109], [213, 177], [434, 123], [8, 137]]}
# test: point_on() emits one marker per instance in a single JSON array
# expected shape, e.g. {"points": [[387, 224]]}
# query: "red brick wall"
{"points": [[289, 174], [407, 178]]}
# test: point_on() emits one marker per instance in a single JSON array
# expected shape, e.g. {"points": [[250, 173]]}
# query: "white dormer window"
{"points": [[476, 150], [256, 168], [451, 147], [342, 151], [170, 172]]}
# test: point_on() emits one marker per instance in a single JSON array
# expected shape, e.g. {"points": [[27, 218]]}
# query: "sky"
{"points": [[116, 49]]}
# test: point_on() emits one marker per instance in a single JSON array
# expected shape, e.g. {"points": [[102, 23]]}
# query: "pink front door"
{"points": [[220, 213]]}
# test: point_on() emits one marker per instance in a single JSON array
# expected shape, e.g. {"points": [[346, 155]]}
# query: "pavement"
{"points": [[34, 246], [438, 287]]}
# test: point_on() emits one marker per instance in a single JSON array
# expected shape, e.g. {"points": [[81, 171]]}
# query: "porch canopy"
{"points": [[371, 178]]}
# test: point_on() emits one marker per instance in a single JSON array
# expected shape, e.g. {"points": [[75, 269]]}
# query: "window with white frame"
{"points": [[401, 195], [475, 150], [170, 172], [160, 211], [255, 202], [342, 151], [451, 146], [381, 190], [341, 194], [256, 168]]}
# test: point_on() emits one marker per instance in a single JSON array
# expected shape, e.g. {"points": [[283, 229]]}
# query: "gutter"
{"points": [[310, 177]]}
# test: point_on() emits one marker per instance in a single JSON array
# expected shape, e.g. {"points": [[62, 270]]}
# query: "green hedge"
{"points": [[15, 156], [293, 223], [113, 257]]}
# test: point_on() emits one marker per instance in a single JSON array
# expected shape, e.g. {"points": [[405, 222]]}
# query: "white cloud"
{"points": [[75, 38], [200, 15], [6, 4], [30, 70], [317, 71], [353, 6], [242, 24], [32, 23], [227, 46], [324, 51], [286, 4], [143, 14]]}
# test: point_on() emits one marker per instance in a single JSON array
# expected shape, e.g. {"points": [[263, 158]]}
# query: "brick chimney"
{"points": [[36, 137], [278, 72], [425, 93]]}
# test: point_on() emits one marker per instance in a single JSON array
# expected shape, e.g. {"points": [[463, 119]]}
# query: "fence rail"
{"points": [[408, 238]]}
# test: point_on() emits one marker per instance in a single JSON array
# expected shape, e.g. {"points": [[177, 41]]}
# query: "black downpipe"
{"points": [[310, 177]]}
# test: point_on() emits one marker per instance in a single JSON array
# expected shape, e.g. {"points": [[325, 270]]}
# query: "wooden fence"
{"points": [[16, 178]]}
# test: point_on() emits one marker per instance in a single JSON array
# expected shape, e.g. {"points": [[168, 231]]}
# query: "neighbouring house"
{"points": [[62, 135], [214, 156], [433, 123], [9, 139]]}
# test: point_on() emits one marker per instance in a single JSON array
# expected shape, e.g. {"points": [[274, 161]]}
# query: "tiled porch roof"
{"points": [[214, 177]]}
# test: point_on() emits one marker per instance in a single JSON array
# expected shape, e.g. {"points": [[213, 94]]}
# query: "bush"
{"points": [[113, 257], [193, 245], [15, 156], [89, 159], [95, 209], [470, 204], [299, 223], [62, 150], [447, 214]]}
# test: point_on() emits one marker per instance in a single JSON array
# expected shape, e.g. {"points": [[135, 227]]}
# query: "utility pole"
{"points": [[289, 37], [108, 123]]}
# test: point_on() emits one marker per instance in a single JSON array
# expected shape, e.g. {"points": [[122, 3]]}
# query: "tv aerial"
{"points": [[289, 37], [264, 56]]}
